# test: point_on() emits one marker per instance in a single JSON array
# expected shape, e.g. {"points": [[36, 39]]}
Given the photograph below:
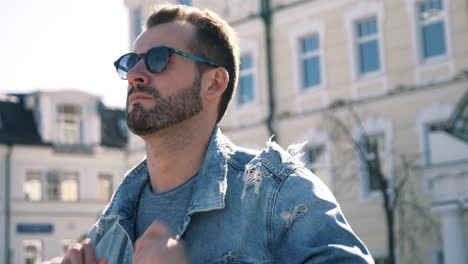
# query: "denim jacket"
{"points": [[246, 207]]}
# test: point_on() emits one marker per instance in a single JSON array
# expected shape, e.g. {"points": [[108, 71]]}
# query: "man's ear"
{"points": [[216, 83]]}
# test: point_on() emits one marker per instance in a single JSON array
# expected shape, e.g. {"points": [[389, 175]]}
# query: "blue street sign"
{"points": [[34, 228]]}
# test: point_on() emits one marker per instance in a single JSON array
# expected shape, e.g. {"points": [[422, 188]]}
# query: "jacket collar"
{"points": [[209, 189], [211, 185]]}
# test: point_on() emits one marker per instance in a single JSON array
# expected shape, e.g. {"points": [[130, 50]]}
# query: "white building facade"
{"points": [[62, 155]]}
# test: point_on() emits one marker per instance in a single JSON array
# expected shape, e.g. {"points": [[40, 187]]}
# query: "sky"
{"points": [[49, 45]]}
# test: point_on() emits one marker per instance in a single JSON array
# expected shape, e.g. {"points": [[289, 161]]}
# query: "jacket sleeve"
{"points": [[309, 227]]}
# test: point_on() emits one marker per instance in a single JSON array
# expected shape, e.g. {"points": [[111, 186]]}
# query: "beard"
{"points": [[167, 111]]}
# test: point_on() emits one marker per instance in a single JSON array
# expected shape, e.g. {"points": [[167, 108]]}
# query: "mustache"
{"points": [[143, 89]]}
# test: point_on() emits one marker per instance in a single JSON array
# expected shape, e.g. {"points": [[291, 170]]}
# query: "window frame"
{"points": [[61, 176], [358, 41], [64, 129], [304, 55], [109, 177], [378, 79], [314, 138], [370, 126], [367, 178], [412, 8], [38, 175], [243, 73], [443, 17], [317, 94]]}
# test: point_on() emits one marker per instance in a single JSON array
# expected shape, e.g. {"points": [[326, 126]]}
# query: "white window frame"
{"points": [[111, 181], [313, 138], [34, 174], [366, 176], [302, 30], [63, 130], [423, 65], [315, 165], [431, 114], [62, 175], [253, 108], [245, 72], [376, 125], [360, 40], [362, 11], [417, 27], [308, 55]]}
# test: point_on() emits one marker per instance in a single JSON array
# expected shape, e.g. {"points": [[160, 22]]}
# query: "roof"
{"points": [[18, 124]]}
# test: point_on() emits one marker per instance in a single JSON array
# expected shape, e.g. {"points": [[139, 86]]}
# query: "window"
{"points": [[69, 124], [245, 90], [32, 251], [185, 2], [375, 162], [310, 61], [431, 19], [367, 36], [137, 22], [62, 186], [105, 187], [33, 186], [314, 157]]}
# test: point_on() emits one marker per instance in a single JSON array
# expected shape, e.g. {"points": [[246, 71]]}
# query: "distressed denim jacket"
{"points": [[246, 207]]}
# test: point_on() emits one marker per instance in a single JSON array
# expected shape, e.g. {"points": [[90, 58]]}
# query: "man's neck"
{"points": [[175, 154]]}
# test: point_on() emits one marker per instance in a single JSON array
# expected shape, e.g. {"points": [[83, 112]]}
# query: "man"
{"points": [[197, 198]]}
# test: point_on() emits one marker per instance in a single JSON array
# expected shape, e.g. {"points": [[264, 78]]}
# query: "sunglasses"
{"points": [[156, 60]]}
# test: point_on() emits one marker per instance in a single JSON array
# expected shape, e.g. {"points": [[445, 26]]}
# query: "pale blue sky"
{"points": [[63, 44]]}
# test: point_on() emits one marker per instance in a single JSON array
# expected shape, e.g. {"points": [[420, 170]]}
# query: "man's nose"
{"points": [[138, 74]]}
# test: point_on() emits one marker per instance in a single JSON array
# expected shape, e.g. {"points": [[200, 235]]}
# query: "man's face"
{"points": [[157, 101]]}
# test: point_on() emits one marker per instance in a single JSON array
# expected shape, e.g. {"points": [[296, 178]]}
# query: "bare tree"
{"points": [[398, 193]]}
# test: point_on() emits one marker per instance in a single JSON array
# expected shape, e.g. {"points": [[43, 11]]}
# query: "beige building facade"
{"points": [[392, 71]]}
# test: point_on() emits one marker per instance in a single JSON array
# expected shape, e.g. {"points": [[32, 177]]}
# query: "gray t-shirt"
{"points": [[168, 207]]}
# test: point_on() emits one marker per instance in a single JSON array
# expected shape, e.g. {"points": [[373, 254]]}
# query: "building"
{"points": [[391, 71], [327, 72], [61, 156]]}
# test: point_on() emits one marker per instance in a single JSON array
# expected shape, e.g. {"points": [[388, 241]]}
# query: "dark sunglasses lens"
{"points": [[157, 59], [126, 63]]}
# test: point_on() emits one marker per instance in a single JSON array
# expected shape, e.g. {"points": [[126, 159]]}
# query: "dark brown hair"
{"points": [[215, 41]]}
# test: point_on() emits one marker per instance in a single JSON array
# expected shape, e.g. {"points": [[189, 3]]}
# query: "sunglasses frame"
{"points": [[170, 51]]}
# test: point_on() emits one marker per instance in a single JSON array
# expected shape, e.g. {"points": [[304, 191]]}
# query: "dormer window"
{"points": [[70, 124]]}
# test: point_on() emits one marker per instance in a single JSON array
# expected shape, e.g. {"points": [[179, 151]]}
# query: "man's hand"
{"points": [[157, 245], [83, 253]]}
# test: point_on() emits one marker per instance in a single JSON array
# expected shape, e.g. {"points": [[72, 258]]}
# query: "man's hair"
{"points": [[214, 40]]}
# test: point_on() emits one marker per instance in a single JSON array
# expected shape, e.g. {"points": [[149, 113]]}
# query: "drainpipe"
{"points": [[266, 13], [7, 203]]}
